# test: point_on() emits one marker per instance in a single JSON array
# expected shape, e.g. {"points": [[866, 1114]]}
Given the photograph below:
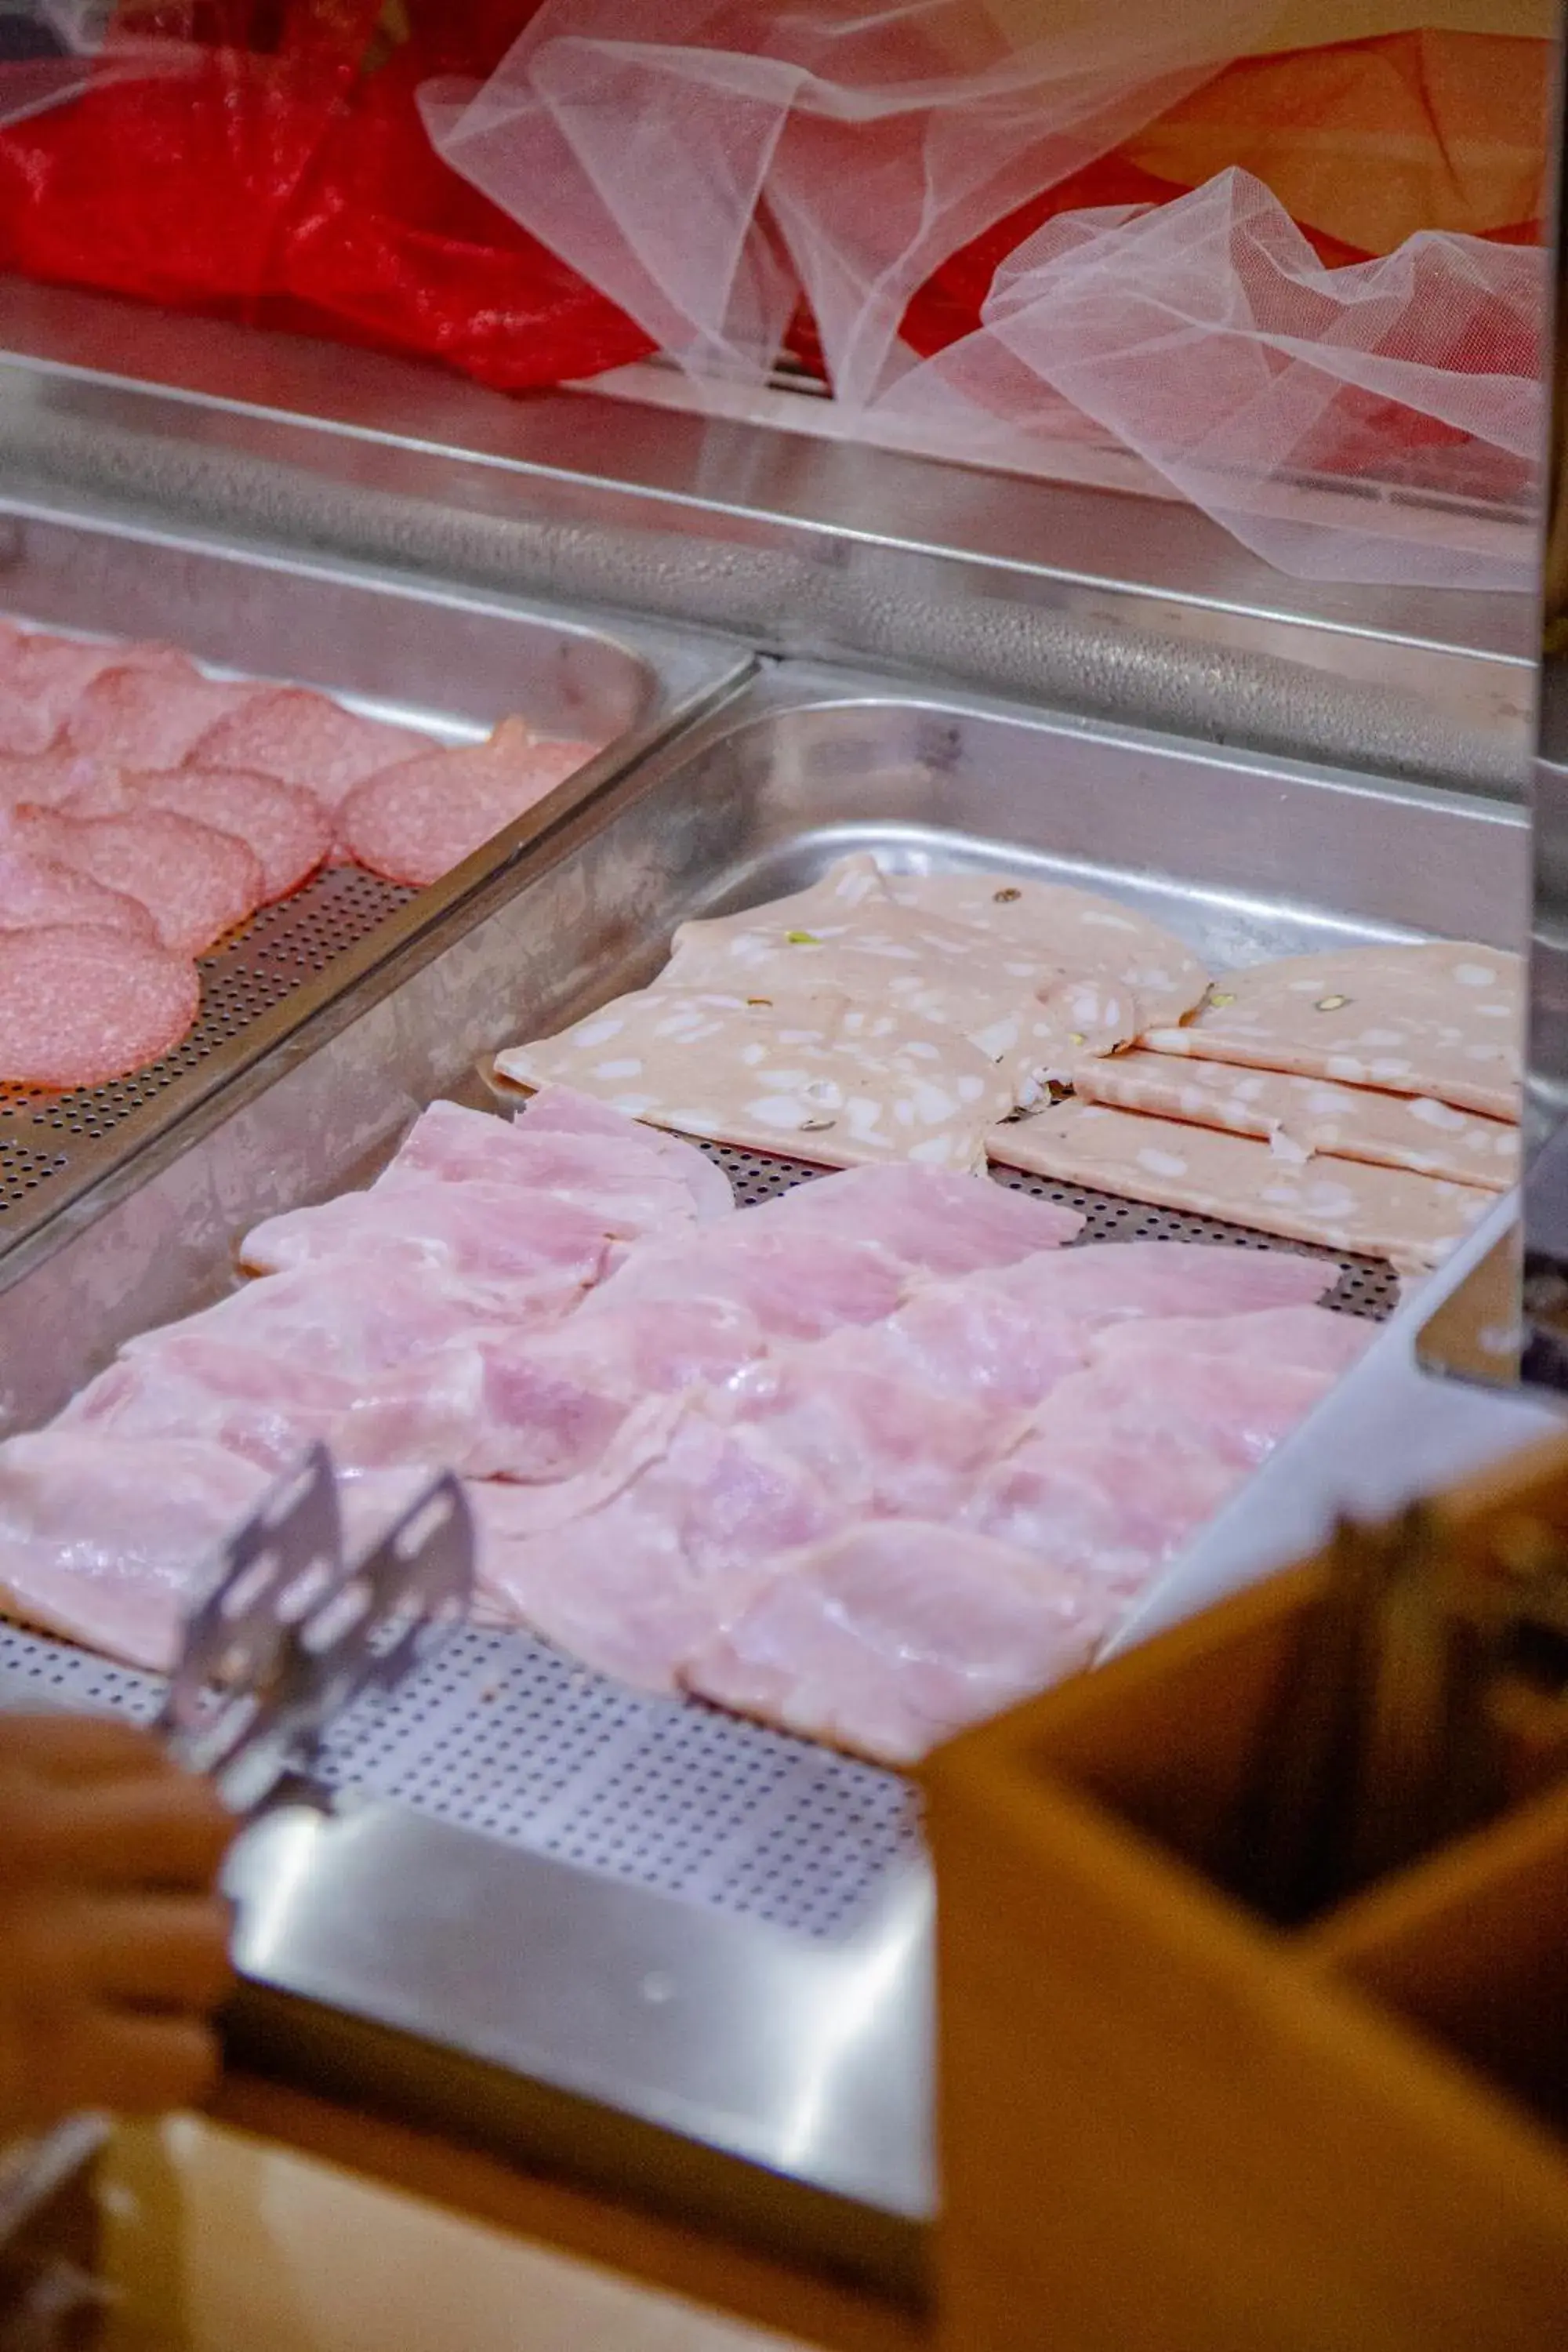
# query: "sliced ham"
{"points": [[820, 1078], [417, 819], [1342, 1204], [287, 831], [1445, 1020], [558, 1110], [306, 740], [634, 1586], [939, 1221], [144, 718], [886, 1639], [798, 1286], [882, 1445], [109, 1543], [479, 1235], [194, 883], [554, 1401], [81, 1003], [1111, 1281], [624, 1170], [1293, 1338], [34, 893], [1302, 1116], [200, 1381]]}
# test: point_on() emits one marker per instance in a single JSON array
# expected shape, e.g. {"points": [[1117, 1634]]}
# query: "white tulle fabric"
{"points": [[1377, 423]]}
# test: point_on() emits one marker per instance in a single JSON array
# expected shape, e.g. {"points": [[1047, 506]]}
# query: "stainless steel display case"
{"points": [[682, 1956]]}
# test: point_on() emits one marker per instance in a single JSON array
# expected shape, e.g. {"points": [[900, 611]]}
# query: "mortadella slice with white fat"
{"points": [[1343, 1205], [1445, 1020], [818, 1078], [1300, 1117]]}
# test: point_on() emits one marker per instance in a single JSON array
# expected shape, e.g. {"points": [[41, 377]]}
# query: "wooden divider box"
{"points": [[1168, 2126]]}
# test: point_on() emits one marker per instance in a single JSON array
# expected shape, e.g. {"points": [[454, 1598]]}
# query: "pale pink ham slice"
{"points": [[887, 1638], [200, 1382], [798, 1286], [825, 1078], [34, 893], [144, 719], [554, 1401], [971, 1341], [196, 884], [1126, 1460], [1445, 1020], [489, 1235], [627, 1172], [879, 1446], [1293, 1339], [1342, 1204], [347, 1317], [109, 1543], [636, 1586], [1302, 1116], [558, 1110], [1109, 1510], [305, 739], [1106, 1282], [81, 1003], [45, 678], [943, 1221], [419, 819], [287, 831]]}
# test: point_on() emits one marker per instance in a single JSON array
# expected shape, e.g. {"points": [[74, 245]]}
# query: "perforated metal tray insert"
{"points": [[45, 1137], [506, 1737]]}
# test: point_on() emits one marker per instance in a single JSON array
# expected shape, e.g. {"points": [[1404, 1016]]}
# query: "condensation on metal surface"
{"points": [[504, 1736], [46, 1138]]}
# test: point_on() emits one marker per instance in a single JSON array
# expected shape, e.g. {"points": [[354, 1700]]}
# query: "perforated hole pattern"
{"points": [[278, 951], [503, 1736]]}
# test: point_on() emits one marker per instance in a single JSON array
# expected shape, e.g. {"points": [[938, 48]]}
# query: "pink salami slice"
{"points": [[196, 884], [418, 820], [35, 894], [287, 830], [47, 677], [50, 779], [307, 740], [146, 718], [80, 1004]]}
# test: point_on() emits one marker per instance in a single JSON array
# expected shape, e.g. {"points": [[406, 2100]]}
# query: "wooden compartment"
{"points": [[1164, 2122]]}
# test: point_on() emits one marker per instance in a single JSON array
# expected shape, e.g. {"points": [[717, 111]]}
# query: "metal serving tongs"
{"points": [[287, 1634]]}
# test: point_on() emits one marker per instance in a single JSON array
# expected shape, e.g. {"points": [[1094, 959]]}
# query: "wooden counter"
{"points": [[283, 2224]]}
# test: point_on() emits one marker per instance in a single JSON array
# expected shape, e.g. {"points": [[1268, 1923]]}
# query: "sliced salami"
{"points": [[34, 894], [50, 779], [47, 676], [195, 883], [287, 829], [146, 718], [307, 740], [80, 1004], [416, 821]]}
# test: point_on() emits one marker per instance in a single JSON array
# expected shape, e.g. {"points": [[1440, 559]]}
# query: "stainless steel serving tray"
{"points": [[684, 1955], [397, 647]]}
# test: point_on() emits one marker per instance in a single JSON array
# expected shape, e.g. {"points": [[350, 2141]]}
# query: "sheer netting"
{"points": [[1370, 419], [703, 179]]}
